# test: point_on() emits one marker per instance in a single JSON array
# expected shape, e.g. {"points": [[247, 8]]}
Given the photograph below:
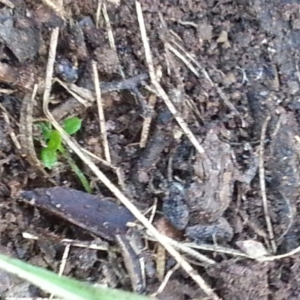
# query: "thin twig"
{"points": [[98, 13], [166, 280], [111, 38], [204, 72], [147, 121], [216, 249], [290, 216], [72, 106], [63, 263], [79, 98], [50, 67], [8, 3], [183, 263], [158, 87], [58, 9], [263, 183], [275, 257], [64, 260], [101, 114], [94, 245], [6, 117], [26, 134], [183, 59], [202, 69], [160, 259], [186, 249], [116, 191], [102, 161]]}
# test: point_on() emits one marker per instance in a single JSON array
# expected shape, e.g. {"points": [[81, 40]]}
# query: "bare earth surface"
{"points": [[231, 69]]}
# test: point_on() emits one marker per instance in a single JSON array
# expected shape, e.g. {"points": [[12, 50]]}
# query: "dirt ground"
{"points": [[231, 70]]}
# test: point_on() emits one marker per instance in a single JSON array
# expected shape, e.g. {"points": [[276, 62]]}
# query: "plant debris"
{"points": [[199, 129]]}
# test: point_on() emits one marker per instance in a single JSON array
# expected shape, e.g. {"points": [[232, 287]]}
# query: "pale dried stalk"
{"points": [[263, 184], [56, 7], [111, 38], [63, 263], [183, 263], [98, 13], [7, 3], [147, 121], [101, 114], [71, 92], [158, 87], [101, 176]]}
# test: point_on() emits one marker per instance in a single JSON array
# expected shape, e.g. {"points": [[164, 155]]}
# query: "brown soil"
{"points": [[246, 77]]}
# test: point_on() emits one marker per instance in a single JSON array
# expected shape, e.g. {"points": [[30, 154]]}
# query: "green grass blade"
{"points": [[77, 171], [62, 286]]}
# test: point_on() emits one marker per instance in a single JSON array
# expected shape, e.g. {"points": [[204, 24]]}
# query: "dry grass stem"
{"points": [[50, 68], [94, 245], [186, 249], [158, 87], [83, 93], [7, 3], [191, 57], [63, 263], [56, 7], [153, 211], [183, 263], [98, 13], [64, 259], [115, 190], [234, 252], [183, 59], [101, 114], [216, 249], [6, 117], [147, 121], [290, 216], [166, 280], [275, 257], [111, 38], [263, 184], [160, 259], [102, 161], [7, 91], [71, 92], [204, 72]]}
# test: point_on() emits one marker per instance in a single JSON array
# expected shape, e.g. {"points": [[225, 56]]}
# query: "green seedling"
{"points": [[54, 147]]}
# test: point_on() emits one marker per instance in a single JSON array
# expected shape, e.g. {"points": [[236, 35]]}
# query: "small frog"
{"points": [[209, 194]]}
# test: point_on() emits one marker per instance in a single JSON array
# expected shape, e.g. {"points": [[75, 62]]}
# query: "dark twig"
{"points": [[71, 106]]}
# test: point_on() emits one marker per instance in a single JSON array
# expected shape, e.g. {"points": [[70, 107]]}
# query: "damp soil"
{"points": [[231, 69]]}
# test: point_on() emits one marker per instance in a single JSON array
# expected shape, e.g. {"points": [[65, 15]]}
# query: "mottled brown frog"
{"points": [[203, 202], [211, 192]]}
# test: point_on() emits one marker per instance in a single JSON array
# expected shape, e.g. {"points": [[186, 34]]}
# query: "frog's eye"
{"points": [[66, 71]]}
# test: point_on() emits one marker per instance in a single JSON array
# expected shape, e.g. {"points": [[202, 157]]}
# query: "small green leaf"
{"points": [[48, 157], [46, 130], [72, 125], [54, 142]]}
